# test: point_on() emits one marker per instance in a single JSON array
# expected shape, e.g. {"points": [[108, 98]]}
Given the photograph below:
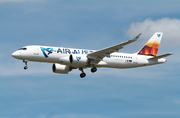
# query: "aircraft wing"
{"points": [[161, 56], [100, 54]]}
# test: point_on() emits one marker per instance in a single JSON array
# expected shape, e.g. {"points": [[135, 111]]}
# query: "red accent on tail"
{"points": [[146, 50]]}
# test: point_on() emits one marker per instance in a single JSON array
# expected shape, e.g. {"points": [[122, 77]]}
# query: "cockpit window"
{"points": [[23, 49]]}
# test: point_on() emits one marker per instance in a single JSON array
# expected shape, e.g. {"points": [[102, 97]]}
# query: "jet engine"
{"points": [[75, 60], [78, 59], [62, 69]]}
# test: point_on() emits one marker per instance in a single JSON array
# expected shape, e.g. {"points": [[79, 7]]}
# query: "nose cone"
{"points": [[16, 54]]}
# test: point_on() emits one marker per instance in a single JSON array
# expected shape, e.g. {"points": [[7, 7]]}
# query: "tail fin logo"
{"points": [[46, 51], [158, 35]]}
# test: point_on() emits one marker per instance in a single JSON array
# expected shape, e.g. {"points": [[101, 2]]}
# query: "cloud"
{"points": [[169, 27]]}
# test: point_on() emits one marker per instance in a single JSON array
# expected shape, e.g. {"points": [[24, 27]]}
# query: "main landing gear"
{"points": [[82, 75], [25, 67], [94, 69]]}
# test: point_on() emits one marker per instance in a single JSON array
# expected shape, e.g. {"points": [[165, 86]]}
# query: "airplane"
{"points": [[66, 59]]}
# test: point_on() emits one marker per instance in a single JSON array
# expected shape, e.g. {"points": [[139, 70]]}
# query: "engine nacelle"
{"points": [[62, 69], [78, 59], [64, 60], [75, 60]]}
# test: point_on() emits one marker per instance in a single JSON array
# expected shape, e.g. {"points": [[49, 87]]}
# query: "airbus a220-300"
{"points": [[66, 59]]}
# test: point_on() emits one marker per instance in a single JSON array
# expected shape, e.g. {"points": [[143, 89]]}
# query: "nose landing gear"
{"points": [[25, 67]]}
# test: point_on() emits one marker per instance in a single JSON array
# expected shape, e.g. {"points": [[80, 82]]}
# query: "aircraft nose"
{"points": [[15, 54]]}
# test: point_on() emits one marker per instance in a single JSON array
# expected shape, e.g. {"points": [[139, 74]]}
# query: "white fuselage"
{"points": [[61, 55], [66, 59]]}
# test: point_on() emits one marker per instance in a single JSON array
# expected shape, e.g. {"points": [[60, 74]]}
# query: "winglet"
{"points": [[135, 38], [132, 40], [138, 36]]}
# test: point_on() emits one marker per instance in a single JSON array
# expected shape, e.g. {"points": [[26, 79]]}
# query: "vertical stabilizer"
{"points": [[151, 47]]}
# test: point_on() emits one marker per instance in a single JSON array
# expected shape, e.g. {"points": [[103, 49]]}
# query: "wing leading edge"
{"points": [[97, 56]]}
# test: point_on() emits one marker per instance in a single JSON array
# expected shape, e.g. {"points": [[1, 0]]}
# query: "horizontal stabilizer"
{"points": [[161, 56]]}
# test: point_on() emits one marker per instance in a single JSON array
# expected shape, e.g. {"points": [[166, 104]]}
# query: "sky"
{"points": [[152, 91]]}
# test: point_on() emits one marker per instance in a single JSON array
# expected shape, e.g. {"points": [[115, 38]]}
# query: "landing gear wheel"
{"points": [[94, 69], [25, 61], [25, 67], [82, 75]]}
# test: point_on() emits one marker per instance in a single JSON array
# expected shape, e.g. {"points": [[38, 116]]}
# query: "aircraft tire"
{"points": [[94, 69], [25, 67], [82, 75]]}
